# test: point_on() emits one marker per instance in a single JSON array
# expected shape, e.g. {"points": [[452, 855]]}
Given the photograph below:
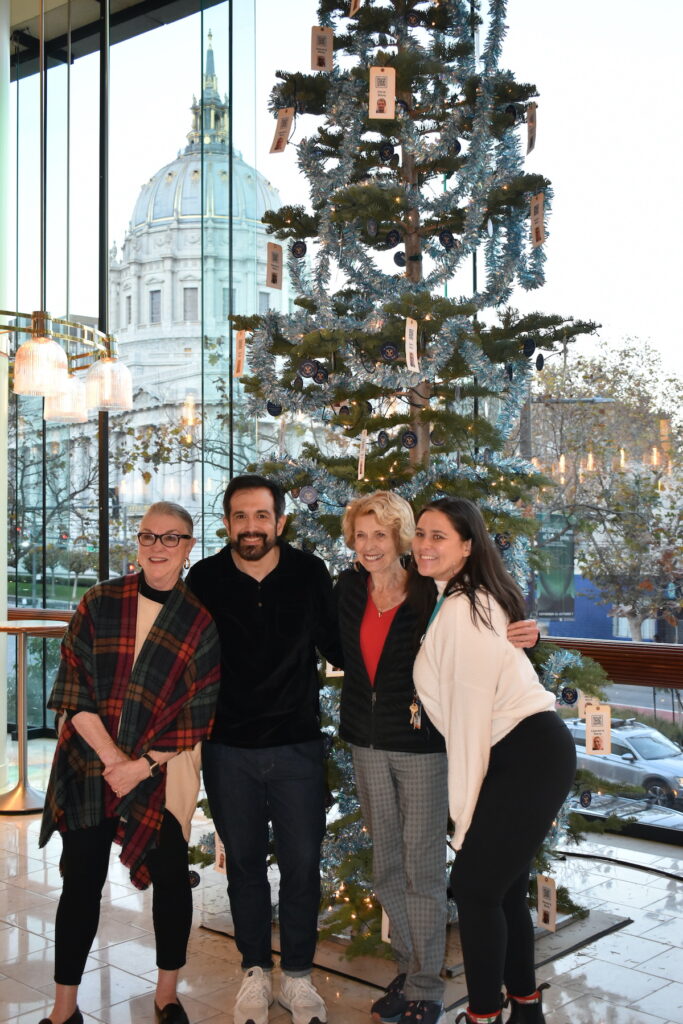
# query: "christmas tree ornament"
{"points": [[413, 19], [299, 249], [509, 371], [540, 361], [382, 101], [274, 266], [410, 339], [308, 495], [371, 227], [489, 227], [386, 151], [240, 352], [457, 147], [322, 48], [502, 541], [285, 116], [531, 126], [400, 259], [446, 238], [529, 347], [297, 384], [313, 506], [320, 375], [586, 798], [409, 439], [389, 351], [569, 695], [487, 456], [274, 408], [308, 367], [511, 111], [382, 439], [438, 437], [537, 224], [392, 238]]}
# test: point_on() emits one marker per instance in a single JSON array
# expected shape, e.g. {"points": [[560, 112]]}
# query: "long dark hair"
{"points": [[484, 567]]}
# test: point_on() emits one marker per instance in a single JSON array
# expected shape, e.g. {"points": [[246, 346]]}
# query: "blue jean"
{"points": [[246, 789]]}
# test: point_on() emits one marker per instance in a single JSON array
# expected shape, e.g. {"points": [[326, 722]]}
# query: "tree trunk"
{"points": [[636, 626]]}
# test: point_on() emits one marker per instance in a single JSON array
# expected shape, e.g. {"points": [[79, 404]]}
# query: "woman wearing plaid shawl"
{"points": [[135, 695]]}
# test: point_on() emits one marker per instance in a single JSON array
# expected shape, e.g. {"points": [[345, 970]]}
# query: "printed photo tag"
{"points": [[285, 116], [219, 863], [354, 7], [412, 359], [598, 729], [537, 226], [240, 352], [274, 266], [546, 903], [531, 126], [386, 927], [382, 104], [361, 454], [322, 46]]}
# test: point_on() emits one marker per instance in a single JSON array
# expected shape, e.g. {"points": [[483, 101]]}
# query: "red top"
{"points": [[373, 633]]}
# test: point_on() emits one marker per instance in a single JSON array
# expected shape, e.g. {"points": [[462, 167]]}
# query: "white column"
{"points": [[6, 302]]}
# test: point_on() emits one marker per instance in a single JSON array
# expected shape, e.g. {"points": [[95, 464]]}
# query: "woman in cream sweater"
{"points": [[511, 760]]}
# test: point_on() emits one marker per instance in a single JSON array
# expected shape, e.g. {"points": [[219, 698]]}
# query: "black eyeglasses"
{"points": [[169, 540]]}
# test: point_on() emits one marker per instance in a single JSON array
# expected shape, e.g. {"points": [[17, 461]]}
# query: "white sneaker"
{"points": [[302, 999], [254, 997]]}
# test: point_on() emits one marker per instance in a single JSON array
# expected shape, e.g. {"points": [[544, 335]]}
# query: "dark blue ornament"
{"points": [[308, 367], [299, 249], [392, 238], [585, 799], [511, 111], [386, 151], [503, 541], [313, 507], [308, 494], [382, 439], [400, 259], [320, 376], [437, 438], [457, 147], [540, 361], [409, 439], [194, 879], [371, 227], [569, 695], [529, 347], [446, 238], [389, 351], [413, 19], [274, 408]]}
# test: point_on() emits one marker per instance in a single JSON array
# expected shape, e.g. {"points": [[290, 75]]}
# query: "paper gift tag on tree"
{"points": [[598, 729], [531, 127], [382, 104], [285, 116], [537, 226], [274, 266], [546, 902], [362, 453], [322, 46], [412, 359], [240, 351]]}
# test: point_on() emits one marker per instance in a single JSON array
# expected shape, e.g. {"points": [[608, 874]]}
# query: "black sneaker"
{"points": [[422, 1011], [391, 1005]]}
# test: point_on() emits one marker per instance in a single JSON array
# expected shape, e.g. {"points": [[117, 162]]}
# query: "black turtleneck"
{"points": [[160, 596]]}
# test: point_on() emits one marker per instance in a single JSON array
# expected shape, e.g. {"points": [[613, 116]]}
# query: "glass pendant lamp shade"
{"points": [[67, 405], [109, 386], [40, 365]]}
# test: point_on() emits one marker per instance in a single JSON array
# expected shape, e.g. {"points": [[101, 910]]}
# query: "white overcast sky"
{"points": [[610, 78]]}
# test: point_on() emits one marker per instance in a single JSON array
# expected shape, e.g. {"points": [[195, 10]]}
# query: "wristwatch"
{"points": [[154, 766]]}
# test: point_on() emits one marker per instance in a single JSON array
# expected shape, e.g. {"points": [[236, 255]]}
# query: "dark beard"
{"points": [[254, 552]]}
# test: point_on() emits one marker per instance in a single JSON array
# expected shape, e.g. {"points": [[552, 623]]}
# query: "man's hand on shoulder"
{"points": [[524, 633]]}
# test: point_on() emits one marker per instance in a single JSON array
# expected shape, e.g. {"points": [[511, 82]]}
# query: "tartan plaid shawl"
{"points": [[165, 701]]}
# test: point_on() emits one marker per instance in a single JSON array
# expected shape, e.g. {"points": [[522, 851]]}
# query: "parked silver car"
{"points": [[640, 756]]}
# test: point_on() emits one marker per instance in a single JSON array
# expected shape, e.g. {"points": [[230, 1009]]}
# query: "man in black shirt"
{"points": [[273, 607]]}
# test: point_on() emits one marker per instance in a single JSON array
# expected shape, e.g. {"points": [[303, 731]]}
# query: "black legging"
{"points": [[529, 775], [84, 863]]}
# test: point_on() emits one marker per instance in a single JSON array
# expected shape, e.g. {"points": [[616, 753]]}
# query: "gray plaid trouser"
{"points": [[404, 800]]}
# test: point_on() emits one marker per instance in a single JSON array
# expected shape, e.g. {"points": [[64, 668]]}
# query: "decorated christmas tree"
{"points": [[404, 357]]}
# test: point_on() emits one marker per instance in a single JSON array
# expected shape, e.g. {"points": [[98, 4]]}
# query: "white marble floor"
{"points": [[632, 976]]}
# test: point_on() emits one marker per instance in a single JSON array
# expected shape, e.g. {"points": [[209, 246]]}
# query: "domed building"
{"points": [[194, 252]]}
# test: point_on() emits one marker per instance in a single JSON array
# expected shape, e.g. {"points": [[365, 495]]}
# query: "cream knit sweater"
{"points": [[476, 687]]}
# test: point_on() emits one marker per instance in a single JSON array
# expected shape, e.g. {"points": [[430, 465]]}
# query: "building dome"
{"points": [[175, 192]]}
